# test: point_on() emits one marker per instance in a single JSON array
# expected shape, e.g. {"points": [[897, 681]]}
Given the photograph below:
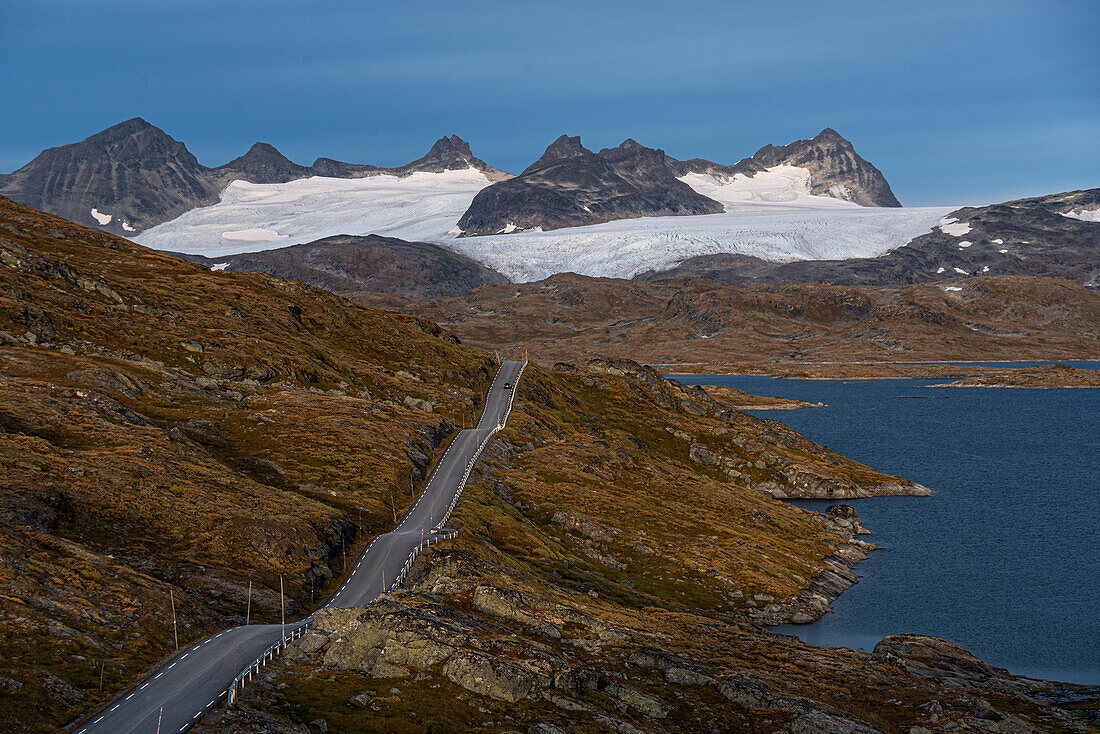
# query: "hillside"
{"points": [[1054, 235], [172, 434], [607, 579], [173, 437], [699, 320], [364, 267]]}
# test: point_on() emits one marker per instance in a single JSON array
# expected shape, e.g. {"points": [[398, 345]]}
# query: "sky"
{"points": [[961, 102]]}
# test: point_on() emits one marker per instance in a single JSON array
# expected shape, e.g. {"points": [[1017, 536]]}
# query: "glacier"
{"points": [[421, 206], [772, 215]]}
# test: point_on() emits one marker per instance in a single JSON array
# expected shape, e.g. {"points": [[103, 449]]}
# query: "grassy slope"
{"points": [[164, 428], [699, 320], [591, 510]]}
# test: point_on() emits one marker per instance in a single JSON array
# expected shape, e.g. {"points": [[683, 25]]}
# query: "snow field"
{"points": [[772, 216]]}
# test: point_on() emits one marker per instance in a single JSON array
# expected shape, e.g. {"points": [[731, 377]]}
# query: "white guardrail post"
{"points": [[438, 534]]}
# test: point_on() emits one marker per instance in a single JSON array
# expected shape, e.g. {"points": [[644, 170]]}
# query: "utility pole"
{"points": [[282, 605], [102, 665], [248, 609], [175, 632]]}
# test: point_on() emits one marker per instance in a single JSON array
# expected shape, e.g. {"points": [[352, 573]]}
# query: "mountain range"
{"points": [[571, 186], [135, 176], [449, 222]]}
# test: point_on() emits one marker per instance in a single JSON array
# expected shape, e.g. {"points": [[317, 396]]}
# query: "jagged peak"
{"points": [[451, 143]]}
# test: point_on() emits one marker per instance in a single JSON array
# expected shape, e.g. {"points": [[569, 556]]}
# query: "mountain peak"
{"points": [[563, 148], [451, 144], [126, 129], [835, 168], [263, 163], [831, 136]]}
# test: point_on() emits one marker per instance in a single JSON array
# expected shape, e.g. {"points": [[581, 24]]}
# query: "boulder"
{"points": [[362, 701], [418, 404], [700, 455], [485, 675], [937, 659], [647, 706]]}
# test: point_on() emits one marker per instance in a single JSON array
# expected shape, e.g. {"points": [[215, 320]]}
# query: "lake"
{"points": [[1004, 557]]}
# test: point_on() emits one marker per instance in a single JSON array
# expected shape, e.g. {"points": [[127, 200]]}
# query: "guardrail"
{"points": [[253, 668], [438, 534]]}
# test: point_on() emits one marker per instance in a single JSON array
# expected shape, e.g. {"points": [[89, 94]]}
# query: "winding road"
{"points": [[191, 682]]}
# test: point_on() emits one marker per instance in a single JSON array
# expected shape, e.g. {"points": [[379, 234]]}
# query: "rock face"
{"points": [[133, 173], [136, 176], [835, 168], [570, 186], [353, 266], [1046, 235]]}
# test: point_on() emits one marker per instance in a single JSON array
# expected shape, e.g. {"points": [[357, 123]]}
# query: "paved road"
{"points": [[193, 681]]}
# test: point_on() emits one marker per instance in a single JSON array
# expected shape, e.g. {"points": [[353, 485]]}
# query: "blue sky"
{"points": [[956, 102]]}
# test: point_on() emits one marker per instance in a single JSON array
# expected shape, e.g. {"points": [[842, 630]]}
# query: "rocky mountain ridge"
{"points": [[134, 175], [571, 186]]}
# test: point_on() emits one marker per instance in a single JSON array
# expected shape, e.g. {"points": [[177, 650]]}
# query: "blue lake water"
{"points": [[1004, 557]]}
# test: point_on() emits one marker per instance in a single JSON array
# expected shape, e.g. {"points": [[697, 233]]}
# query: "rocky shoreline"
{"points": [[837, 577]]}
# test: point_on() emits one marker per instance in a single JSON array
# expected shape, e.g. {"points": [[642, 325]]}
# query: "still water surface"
{"points": [[1004, 557]]}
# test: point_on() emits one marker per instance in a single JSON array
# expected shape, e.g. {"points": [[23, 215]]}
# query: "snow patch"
{"points": [[1002, 251], [256, 234], [952, 288], [101, 217], [126, 226], [952, 226], [998, 242], [940, 270], [218, 267], [960, 271], [1085, 215], [840, 191], [508, 228], [985, 268], [965, 243]]}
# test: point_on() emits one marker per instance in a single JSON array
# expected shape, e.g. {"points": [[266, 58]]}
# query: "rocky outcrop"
{"points": [[371, 265], [571, 186], [486, 675]]}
